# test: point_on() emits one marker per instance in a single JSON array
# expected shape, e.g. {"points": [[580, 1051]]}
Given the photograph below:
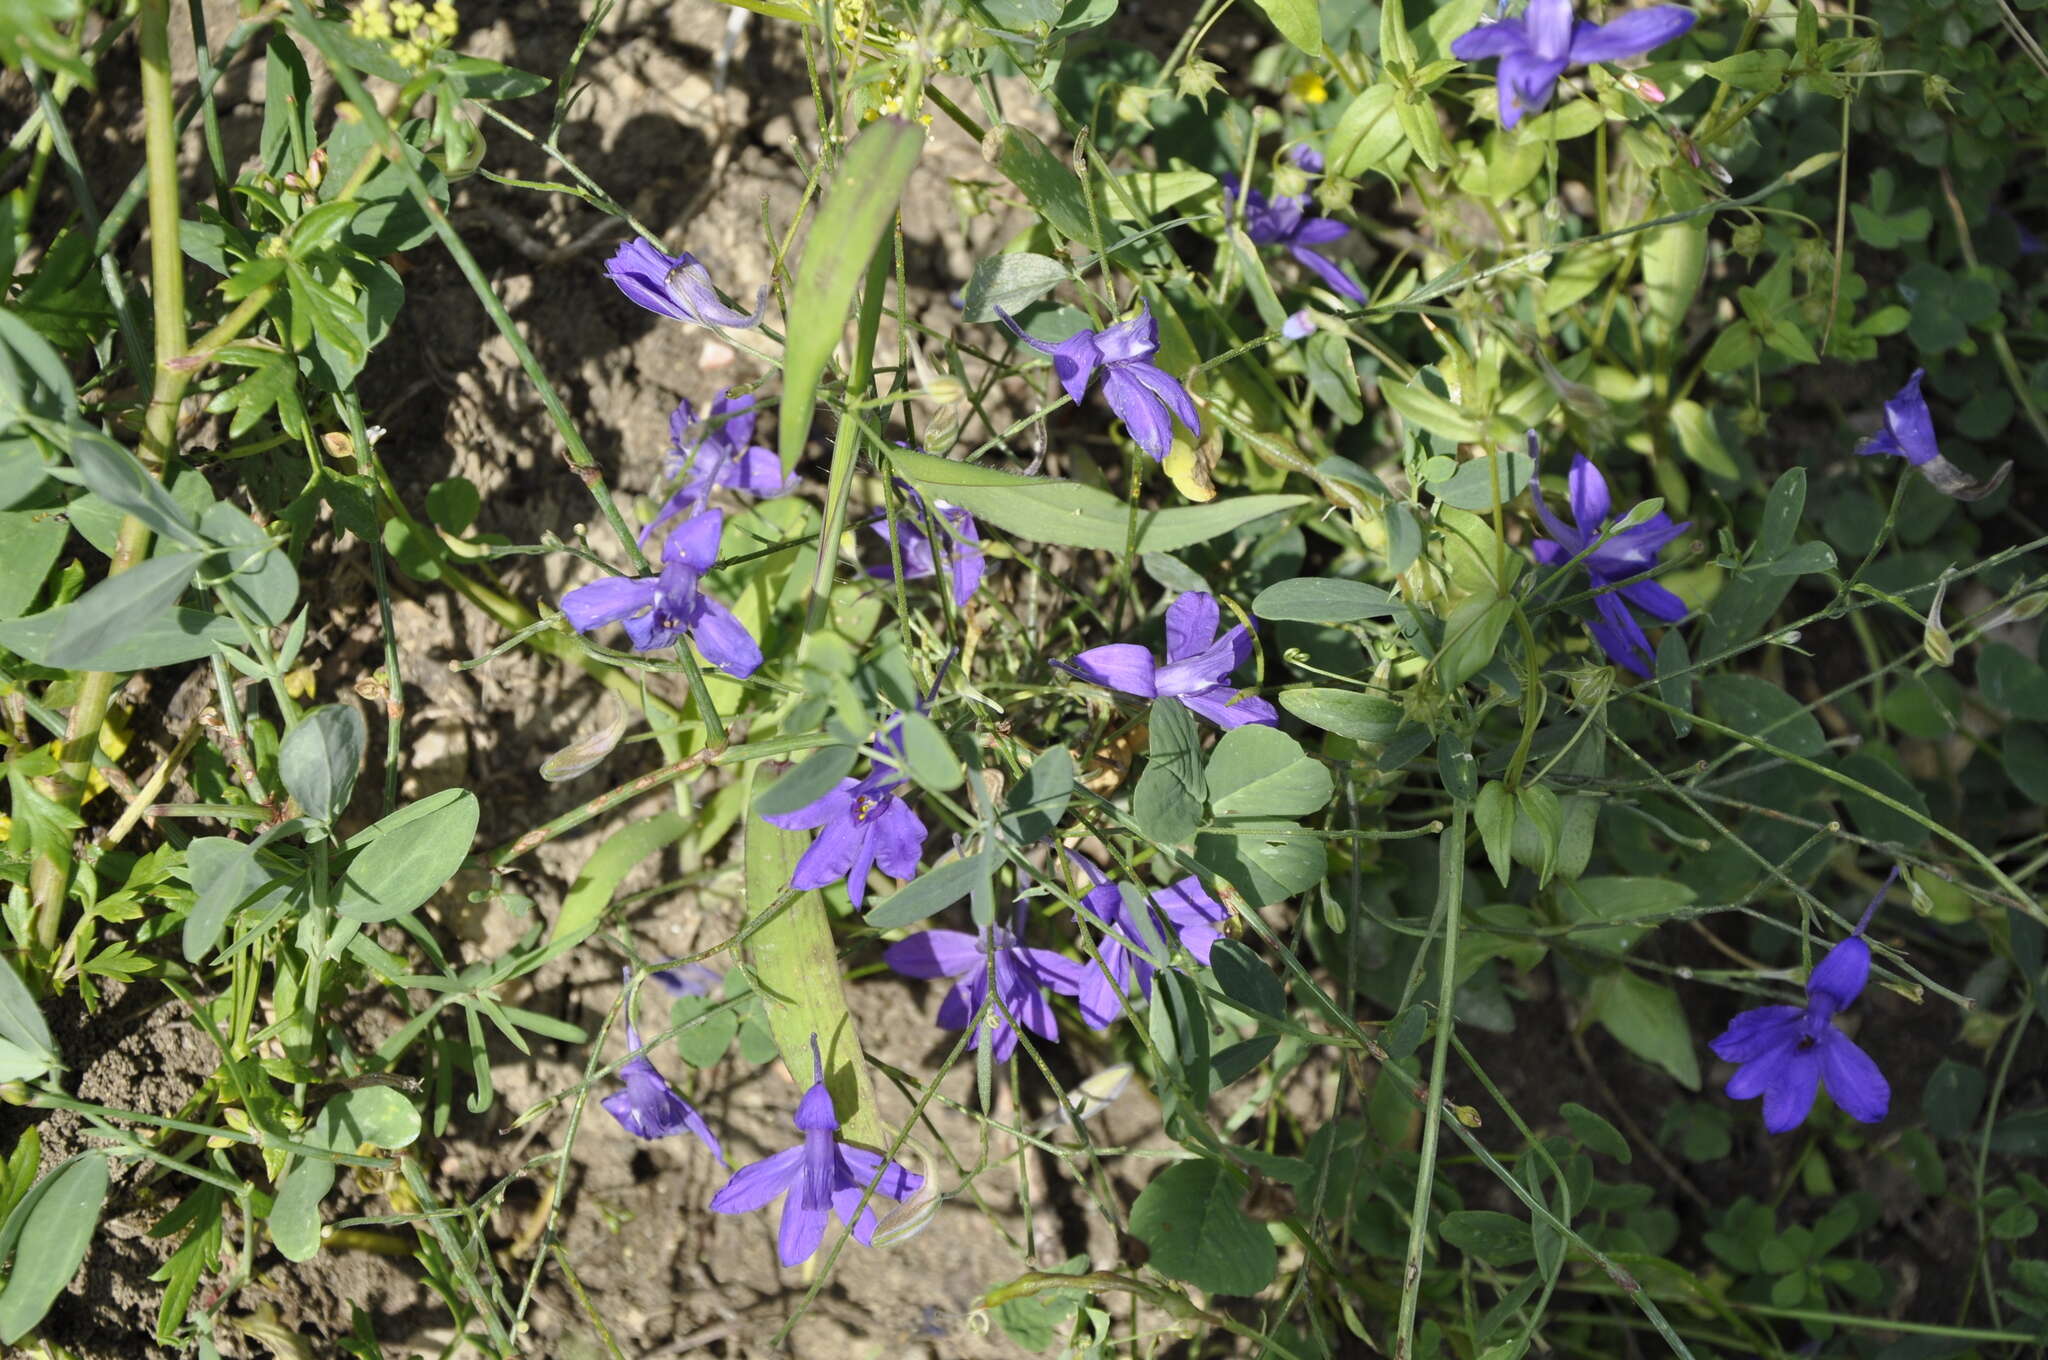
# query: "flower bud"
{"points": [[1289, 180], [1197, 78]]}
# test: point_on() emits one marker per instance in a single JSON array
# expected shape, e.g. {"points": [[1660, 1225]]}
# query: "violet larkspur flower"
{"points": [[1785, 1053], [1134, 943], [1630, 552], [965, 562], [1535, 48], [657, 610], [1908, 433], [677, 286], [716, 451], [1284, 220], [1022, 976], [822, 1177], [1145, 396], [649, 1106], [862, 823], [1197, 669]]}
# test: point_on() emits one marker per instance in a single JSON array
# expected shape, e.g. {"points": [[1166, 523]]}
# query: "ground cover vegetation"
{"points": [[1301, 680]]}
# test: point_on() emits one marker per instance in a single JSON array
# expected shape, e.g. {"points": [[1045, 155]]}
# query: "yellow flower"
{"points": [[1308, 87]]}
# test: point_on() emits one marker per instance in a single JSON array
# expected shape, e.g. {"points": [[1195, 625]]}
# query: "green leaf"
{"points": [[1643, 900], [404, 859], [1039, 800], [1267, 861], [170, 637], [32, 1051], [1472, 637], [1596, 1133], [815, 776], [28, 31], [2012, 682], [599, 878], [704, 1042], [1246, 979], [1873, 818], [1012, 282], [1496, 1238], [1674, 259], [1760, 68], [1299, 21], [930, 760], [318, 760], [1043, 178], [263, 582], [1757, 708], [1471, 487], [1368, 133], [1494, 814], [452, 504], [1648, 1021], [30, 541], [1317, 599], [1167, 804], [1180, 1034], [51, 1231], [224, 874], [1420, 406], [1189, 1218], [931, 892], [859, 204], [1348, 713], [1047, 510], [1700, 441], [478, 78], [1259, 771], [377, 1115]]}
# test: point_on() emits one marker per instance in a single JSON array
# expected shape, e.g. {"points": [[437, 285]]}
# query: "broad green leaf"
{"points": [[403, 860], [1496, 1238], [1074, 515], [56, 1226], [377, 1115], [1368, 133], [1596, 1133], [1700, 441], [318, 760], [118, 608], [1494, 814], [1873, 818], [1245, 979], [1319, 599], [1421, 407], [1180, 1035], [1640, 900], [1043, 178], [1189, 1218], [1648, 1021], [1674, 258], [22, 1025], [1167, 804], [1259, 771], [1299, 21], [1348, 713], [1038, 802], [1758, 709], [30, 541], [171, 636], [1267, 861], [224, 874], [112, 473], [607, 867], [1012, 282], [1471, 637], [1472, 486], [265, 584], [858, 206], [929, 757]]}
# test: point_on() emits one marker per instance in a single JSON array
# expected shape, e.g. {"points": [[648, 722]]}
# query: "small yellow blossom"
{"points": [[1308, 87]]}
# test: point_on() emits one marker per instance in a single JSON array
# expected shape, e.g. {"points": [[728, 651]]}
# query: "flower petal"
{"points": [[1210, 666], [1135, 339], [1167, 389], [1123, 666], [1655, 600], [899, 837], [1150, 424], [803, 1228], [1789, 1099], [936, 954], [1591, 504], [694, 542], [1756, 1032], [1853, 1079], [1630, 34], [1330, 272], [758, 472], [1549, 24], [640, 269], [1495, 38], [1526, 81], [829, 808], [724, 640], [606, 601], [1909, 423], [1222, 705], [1191, 622], [689, 284], [1620, 636], [831, 855], [756, 1186], [1838, 978]]}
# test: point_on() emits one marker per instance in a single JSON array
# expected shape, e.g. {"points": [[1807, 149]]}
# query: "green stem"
{"points": [[1450, 893]]}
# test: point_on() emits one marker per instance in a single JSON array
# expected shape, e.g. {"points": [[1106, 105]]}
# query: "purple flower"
{"points": [[659, 609], [822, 1175], [1283, 220], [1908, 433], [1194, 914], [1132, 949], [1022, 976], [1785, 1052], [1299, 325], [1631, 552], [716, 451], [1143, 394], [649, 1106], [1197, 669], [1535, 48], [676, 286], [1307, 157], [688, 979], [862, 823], [965, 562]]}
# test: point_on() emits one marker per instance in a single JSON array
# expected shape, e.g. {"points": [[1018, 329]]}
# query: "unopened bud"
{"points": [[1646, 90], [1289, 180], [16, 1093], [1747, 240], [1591, 685], [1132, 102], [1197, 78], [1934, 638]]}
